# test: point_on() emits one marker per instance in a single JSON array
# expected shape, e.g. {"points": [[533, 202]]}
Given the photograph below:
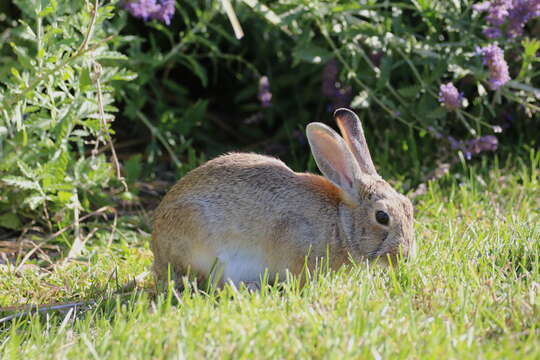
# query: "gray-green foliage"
{"points": [[51, 124]]}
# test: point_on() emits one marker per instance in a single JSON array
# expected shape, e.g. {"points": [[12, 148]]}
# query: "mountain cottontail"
{"points": [[244, 214]]}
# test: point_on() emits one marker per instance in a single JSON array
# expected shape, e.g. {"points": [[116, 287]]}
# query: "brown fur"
{"points": [[249, 213], [322, 186]]}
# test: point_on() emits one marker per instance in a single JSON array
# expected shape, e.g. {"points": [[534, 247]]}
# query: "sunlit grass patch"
{"points": [[472, 292]]}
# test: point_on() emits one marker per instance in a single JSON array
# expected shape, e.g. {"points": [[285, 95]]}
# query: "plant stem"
{"points": [[161, 139], [393, 113], [90, 29]]}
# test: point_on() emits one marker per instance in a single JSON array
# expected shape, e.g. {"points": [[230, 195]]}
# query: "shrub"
{"points": [[390, 61], [424, 74], [395, 56], [56, 111]]}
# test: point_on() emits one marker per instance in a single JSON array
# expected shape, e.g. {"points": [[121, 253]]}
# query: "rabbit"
{"points": [[248, 215]]}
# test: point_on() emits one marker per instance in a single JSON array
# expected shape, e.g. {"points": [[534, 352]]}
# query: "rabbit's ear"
{"points": [[333, 157], [352, 132]]}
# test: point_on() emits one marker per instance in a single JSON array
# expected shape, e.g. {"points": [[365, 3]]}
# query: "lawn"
{"points": [[103, 104], [472, 292]]}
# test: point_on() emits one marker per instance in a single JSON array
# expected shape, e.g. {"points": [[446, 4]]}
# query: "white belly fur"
{"points": [[236, 264]]}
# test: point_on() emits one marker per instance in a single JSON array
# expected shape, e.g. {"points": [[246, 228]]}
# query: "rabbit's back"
{"points": [[248, 210]]}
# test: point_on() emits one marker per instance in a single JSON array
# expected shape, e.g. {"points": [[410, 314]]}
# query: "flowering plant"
{"points": [[509, 15], [468, 68], [450, 63], [162, 10]]}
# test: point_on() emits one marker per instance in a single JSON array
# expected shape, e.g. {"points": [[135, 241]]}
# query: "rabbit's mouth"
{"points": [[378, 252], [386, 251], [389, 254]]}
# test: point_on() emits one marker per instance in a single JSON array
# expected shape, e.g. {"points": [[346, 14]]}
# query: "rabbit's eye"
{"points": [[382, 217]]}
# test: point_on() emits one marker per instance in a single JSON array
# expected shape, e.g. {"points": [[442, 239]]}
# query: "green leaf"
{"points": [[20, 182], [64, 197], [85, 81], [196, 68], [111, 55], [264, 11], [22, 55], [26, 170], [10, 221], [312, 54], [352, 6], [50, 9], [194, 115], [34, 201], [79, 133], [384, 76], [63, 127], [410, 91], [531, 89], [133, 168], [16, 73], [124, 75], [530, 48], [27, 32], [438, 113], [54, 171]]}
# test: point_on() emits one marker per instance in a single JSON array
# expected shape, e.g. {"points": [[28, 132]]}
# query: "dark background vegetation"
{"points": [[174, 96]]}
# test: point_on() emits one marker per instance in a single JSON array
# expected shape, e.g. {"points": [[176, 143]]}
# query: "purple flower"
{"points": [[469, 148], [454, 144], [142, 8], [265, 96], [165, 12], [492, 32], [474, 147], [493, 57], [340, 96], [449, 97], [479, 145], [151, 9], [512, 13], [498, 11], [436, 134], [483, 6], [521, 12]]}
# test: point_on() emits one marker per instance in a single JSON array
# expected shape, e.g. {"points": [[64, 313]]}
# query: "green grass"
{"points": [[472, 292]]}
